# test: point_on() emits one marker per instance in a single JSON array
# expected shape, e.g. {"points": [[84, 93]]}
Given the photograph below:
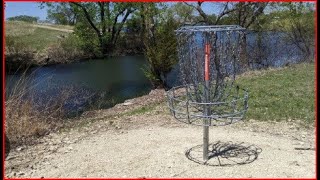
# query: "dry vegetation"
{"points": [[27, 118]]}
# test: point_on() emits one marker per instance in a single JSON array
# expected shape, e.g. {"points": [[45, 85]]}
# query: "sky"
{"points": [[33, 9], [25, 8]]}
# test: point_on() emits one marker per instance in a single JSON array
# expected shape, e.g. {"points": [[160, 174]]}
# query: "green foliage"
{"points": [[61, 13], [88, 41], [105, 19], [24, 18], [133, 25], [183, 13], [160, 47]]}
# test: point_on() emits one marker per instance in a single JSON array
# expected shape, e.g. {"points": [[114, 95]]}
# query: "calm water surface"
{"points": [[102, 82]]}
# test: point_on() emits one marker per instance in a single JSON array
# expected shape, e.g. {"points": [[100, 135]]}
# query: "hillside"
{"points": [[35, 36], [29, 44]]}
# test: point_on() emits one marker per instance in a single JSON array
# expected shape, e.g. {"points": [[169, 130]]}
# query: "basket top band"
{"points": [[213, 28]]}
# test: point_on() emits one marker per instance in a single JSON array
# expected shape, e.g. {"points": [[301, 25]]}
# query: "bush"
{"points": [[160, 51], [88, 41]]}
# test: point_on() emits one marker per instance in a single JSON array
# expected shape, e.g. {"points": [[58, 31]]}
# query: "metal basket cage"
{"points": [[185, 108]]}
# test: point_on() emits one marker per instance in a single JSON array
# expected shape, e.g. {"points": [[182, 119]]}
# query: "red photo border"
{"points": [[316, 83]]}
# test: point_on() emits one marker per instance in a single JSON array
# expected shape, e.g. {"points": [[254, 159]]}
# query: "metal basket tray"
{"points": [[185, 108]]}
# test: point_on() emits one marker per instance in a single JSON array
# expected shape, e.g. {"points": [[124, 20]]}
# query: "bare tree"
{"points": [[107, 26], [244, 12]]}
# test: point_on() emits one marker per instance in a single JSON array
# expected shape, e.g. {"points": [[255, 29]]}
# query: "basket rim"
{"points": [[210, 28]]}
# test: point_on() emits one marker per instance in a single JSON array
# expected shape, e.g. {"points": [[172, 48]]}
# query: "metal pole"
{"points": [[206, 109]]}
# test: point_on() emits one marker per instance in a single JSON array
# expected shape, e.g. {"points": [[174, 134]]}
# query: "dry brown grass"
{"points": [[26, 119], [19, 28]]}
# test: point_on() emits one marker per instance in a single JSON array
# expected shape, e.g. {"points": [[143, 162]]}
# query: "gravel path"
{"points": [[153, 144]]}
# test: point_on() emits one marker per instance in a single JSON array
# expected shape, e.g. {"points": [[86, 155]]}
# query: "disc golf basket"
{"points": [[209, 59]]}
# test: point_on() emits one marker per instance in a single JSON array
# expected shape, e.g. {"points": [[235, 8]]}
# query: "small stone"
{"points": [[52, 148], [19, 148], [302, 143], [295, 163], [127, 103], [10, 158]]}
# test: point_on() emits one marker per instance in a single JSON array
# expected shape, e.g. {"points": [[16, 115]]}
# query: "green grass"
{"points": [[34, 37], [283, 94], [142, 110]]}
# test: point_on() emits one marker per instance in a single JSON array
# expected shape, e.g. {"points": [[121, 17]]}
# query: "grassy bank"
{"points": [[281, 94], [32, 36], [30, 44]]}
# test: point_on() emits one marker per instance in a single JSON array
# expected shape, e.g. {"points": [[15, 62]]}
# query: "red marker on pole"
{"points": [[206, 121], [206, 63]]}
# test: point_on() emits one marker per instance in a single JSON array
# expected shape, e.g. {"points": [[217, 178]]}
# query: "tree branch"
{"points": [[87, 15], [129, 11], [200, 11], [225, 11], [102, 17], [257, 13]]}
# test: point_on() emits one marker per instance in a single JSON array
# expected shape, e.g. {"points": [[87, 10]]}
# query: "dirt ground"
{"points": [[124, 142]]}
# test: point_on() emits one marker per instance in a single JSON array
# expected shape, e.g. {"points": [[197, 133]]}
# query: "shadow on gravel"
{"points": [[225, 154]]}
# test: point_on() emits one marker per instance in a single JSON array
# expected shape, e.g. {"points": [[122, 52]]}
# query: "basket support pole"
{"points": [[206, 121]]}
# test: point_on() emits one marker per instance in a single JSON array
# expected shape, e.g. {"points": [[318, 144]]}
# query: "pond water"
{"points": [[103, 83]]}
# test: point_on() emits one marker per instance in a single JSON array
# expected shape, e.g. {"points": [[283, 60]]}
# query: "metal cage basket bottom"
{"points": [[187, 108]]}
